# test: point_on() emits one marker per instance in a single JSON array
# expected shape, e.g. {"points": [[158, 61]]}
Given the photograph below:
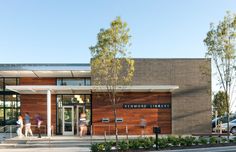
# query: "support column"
{"points": [[49, 113]]}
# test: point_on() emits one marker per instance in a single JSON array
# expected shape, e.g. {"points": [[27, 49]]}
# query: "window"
{"points": [[1, 84], [10, 81], [74, 81], [9, 102], [12, 109]]}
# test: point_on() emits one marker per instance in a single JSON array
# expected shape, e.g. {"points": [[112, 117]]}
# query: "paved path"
{"points": [[212, 149], [69, 149]]}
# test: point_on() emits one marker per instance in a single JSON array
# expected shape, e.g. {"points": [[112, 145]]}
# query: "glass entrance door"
{"points": [[79, 110], [68, 120]]}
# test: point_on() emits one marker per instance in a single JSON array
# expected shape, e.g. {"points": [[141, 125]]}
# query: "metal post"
{"points": [[49, 113], [216, 120], [91, 134], [10, 131], [105, 136], [127, 134], [157, 147]]}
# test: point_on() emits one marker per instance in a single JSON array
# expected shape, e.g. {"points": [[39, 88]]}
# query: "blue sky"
{"points": [[61, 31]]}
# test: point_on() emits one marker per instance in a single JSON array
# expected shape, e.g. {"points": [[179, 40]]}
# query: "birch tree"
{"points": [[220, 42], [111, 64]]}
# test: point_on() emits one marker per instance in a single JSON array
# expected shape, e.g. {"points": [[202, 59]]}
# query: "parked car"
{"points": [[222, 119], [232, 127]]}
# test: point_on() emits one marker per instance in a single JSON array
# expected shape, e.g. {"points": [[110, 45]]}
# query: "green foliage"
{"points": [[108, 146], [163, 142], [202, 140], [220, 42], [234, 139], [148, 143], [196, 142], [213, 140], [111, 64], [97, 147], [94, 147], [223, 140], [189, 140], [134, 144], [123, 145], [173, 140], [110, 58], [219, 103]]}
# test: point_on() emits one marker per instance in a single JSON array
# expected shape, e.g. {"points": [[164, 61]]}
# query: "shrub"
{"points": [[223, 140], [108, 146], [196, 142], [202, 140], [213, 140], [182, 141], [98, 147], [234, 139], [123, 145], [148, 143], [189, 141], [173, 140], [134, 144], [163, 142], [94, 147]]}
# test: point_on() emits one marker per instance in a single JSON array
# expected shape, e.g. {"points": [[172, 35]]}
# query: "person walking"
{"points": [[19, 126], [83, 127], [39, 121], [27, 125], [143, 125]]}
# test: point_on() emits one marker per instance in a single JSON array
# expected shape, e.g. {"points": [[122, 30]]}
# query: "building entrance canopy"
{"points": [[48, 89], [42, 89], [45, 70]]}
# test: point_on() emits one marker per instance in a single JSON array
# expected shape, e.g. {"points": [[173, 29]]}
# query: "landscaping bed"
{"points": [[164, 143]]}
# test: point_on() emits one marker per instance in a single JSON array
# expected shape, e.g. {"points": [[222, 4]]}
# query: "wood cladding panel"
{"points": [[101, 108], [37, 103], [37, 81]]}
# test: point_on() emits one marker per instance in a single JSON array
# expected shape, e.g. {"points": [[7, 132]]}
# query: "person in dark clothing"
{"points": [[39, 121]]}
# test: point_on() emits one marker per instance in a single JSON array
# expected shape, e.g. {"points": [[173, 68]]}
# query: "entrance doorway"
{"points": [[71, 119], [69, 110], [79, 110], [68, 120]]}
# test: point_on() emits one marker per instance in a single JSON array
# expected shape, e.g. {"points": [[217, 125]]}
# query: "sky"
{"points": [[61, 31]]}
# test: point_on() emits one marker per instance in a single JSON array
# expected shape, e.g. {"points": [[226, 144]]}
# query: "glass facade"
{"points": [[73, 100], [9, 102], [74, 81]]}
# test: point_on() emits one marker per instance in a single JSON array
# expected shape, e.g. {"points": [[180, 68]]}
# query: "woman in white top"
{"points": [[83, 127], [19, 126]]}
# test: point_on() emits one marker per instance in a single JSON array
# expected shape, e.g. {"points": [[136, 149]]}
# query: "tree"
{"points": [[219, 103], [220, 42], [111, 64]]}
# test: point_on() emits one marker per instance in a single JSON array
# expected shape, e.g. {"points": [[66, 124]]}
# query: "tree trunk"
{"points": [[115, 116], [228, 120]]}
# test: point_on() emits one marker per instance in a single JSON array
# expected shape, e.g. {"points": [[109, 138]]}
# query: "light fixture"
{"points": [[14, 96]]}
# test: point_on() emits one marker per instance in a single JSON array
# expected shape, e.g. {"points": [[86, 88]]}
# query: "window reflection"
{"points": [[76, 99], [1, 84], [74, 81], [9, 102]]}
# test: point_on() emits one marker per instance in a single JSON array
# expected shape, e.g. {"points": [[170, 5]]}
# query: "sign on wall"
{"points": [[149, 106]]}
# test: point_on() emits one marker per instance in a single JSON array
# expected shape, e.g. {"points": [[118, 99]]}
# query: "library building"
{"points": [[172, 94]]}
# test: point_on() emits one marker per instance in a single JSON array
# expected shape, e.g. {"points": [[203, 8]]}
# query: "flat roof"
{"points": [[42, 89], [45, 70]]}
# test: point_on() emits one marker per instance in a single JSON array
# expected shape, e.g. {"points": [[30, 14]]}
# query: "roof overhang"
{"points": [[45, 70], [42, 89]]}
